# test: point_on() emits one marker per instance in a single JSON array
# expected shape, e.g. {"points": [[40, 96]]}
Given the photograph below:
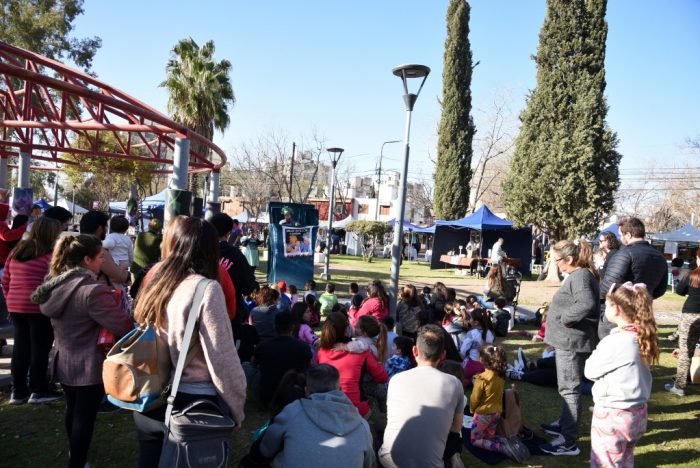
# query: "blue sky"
{"points": [[325, 66]]}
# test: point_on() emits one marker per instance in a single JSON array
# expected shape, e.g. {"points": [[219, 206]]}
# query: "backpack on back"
{"points": [[137, 370]]}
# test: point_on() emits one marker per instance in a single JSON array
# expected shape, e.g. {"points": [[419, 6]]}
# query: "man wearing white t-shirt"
{"points": [[497, 253], [423, 406]]}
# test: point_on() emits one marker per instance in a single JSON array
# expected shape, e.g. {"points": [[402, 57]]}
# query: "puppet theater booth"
{"points": [[288, 262], [449, 235]]}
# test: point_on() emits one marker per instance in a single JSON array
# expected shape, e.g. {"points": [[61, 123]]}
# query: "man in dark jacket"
{"points": [[637, 261], [241, 273]]}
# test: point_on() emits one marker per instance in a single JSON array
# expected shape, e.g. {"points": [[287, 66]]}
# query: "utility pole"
{"points": [[379, 178], [291, 171]]}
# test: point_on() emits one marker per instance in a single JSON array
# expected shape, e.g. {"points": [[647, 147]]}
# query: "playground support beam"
{"points": [[181, 158], [3, 172], [25, 160], [214, 187]]}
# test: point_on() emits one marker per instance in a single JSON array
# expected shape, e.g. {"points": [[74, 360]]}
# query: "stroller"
{"points": [[513, 278]]}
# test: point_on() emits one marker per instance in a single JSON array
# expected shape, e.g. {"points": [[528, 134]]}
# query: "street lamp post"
{"points": [[335, 153], [404, 72], [379, 178]]}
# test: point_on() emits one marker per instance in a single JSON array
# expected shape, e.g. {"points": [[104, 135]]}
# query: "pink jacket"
{"points": [[20, 279], [372, 306]]}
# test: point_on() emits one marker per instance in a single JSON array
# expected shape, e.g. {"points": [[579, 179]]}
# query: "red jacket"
{"points": [[20, 279], [352, 368], [372, 306]]}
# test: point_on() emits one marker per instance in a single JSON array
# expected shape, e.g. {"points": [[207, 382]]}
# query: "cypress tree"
{"points": [[564, 171], [453, 170]]}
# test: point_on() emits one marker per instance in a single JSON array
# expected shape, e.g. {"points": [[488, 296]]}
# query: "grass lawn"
{"points": [[33, 436]]}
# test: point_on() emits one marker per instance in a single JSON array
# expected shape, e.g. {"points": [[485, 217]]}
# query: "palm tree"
{"points": [[200, 91]]}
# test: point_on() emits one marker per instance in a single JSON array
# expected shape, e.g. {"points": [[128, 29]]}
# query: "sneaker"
{"points": [[560, 449], [552, 428], [522, 360], [514, 374], [671, 387], [46, 397], [18, 398]]}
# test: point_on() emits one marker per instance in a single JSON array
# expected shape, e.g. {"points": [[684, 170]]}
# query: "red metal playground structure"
{"points": [[46, 107]]}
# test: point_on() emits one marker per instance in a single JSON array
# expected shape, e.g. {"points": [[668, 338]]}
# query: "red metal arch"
{"points": [[45, 105]]}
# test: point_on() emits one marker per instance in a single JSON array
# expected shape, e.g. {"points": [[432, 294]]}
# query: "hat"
{"points": [[4, 209], [286, 210], [282, 286]]}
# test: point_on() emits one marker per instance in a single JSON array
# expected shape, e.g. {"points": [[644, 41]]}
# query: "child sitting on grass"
{"points": [[500, 317], [328, 299], [479, 334], [486, 404], [619, 366], [402, 358]]}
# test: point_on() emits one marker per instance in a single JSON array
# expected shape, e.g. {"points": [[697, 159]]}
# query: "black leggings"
{"points": [[82, 404], [33, 340], [151, 429]]}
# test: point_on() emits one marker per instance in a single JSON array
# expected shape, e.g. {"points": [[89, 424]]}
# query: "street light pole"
{"points": [[379, 178], [404, 72], [335, 153]]}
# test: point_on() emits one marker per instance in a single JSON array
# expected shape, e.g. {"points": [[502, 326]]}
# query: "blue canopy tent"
{"points": [[449, 235], [43, 204], [406, 225], [612, 227], [148, 203]]}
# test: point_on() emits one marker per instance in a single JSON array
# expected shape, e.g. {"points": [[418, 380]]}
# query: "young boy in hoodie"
{"points": [[305, 427]]}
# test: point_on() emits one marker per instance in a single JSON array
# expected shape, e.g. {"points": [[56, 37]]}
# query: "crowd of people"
{"points": [[343, 383]]}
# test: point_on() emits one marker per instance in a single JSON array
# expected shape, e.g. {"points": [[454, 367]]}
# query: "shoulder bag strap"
{"points": [[192, 319]]}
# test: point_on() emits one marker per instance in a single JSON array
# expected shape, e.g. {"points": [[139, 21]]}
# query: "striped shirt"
{"points": [[20, 279]]}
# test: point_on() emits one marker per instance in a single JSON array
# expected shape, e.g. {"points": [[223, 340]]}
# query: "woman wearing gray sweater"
{"points": [[572, 324]]}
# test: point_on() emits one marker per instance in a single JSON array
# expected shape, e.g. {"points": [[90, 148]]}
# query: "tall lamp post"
{"points": [[405, 72], [335, 154], [379, 177]]}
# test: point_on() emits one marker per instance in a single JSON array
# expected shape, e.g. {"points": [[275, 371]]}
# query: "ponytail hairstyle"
{"points": [[635, 304], [694, 276], [493, 358], [371, 327], [41, 239], [580, 251], [482, 317], [71, 251], [334, 330]]}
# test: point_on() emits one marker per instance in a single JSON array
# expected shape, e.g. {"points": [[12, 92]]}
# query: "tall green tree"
{"points": [[44, 27], [200, 90], [453, 169], [564, 170]]}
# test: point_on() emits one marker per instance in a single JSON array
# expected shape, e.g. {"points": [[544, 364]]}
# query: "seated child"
{"points": [[292, 294], [486, 402], [328, 299], [315, 308], [310, 289], [425, 295], [401, 358], [302, 328], [480, 333], [354, 291], [355, 305], [500, 317], [453, 323], [389, 323]]}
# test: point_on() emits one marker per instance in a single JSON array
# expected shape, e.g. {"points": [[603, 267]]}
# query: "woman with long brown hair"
{"points": [[78, 305], [351, 366], [25, 270], [689, 328], [190, 252], [410, 304], [376, 303]]}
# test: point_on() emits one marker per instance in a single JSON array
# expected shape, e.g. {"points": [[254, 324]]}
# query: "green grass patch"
{"points": [[34, 435]]}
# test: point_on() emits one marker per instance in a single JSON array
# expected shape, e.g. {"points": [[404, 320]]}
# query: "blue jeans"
{"points": [[569, 378], [485, 302]]}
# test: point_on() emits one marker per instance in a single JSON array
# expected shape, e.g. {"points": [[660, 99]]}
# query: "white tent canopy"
{"points": [[342, 223], [70, 206], [243, 217], [687, 233]]}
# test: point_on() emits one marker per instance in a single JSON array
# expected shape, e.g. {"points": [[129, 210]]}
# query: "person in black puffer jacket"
{"points": [[637, 262]]}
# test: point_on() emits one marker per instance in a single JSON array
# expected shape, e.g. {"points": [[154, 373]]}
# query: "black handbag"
{"points": [[197, 435]]}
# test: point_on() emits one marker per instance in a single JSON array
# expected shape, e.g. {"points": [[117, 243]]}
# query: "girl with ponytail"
{"points": [[619, 366]]}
